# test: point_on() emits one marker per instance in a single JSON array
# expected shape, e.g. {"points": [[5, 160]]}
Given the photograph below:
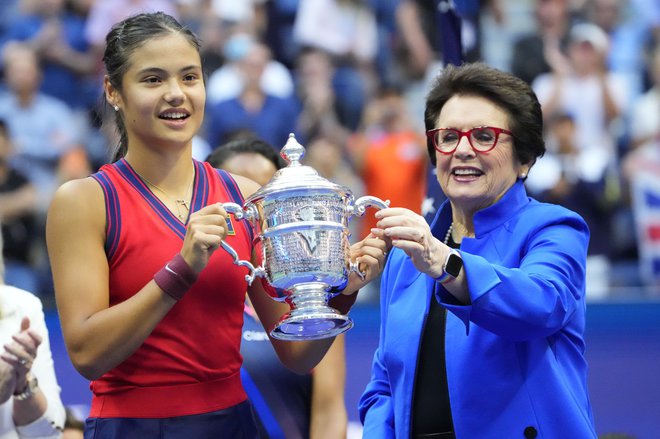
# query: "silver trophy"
{"points": [[301, 221]]}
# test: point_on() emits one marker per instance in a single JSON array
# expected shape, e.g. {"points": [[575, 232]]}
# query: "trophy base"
{"points": [[314, 326], [310, 317]]}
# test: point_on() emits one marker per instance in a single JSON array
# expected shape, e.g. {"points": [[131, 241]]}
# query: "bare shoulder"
{"points": [[79, 200], [247, 186]]}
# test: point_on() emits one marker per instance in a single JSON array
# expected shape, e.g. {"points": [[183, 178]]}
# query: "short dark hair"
{"points": [[505, 90], [240, 145], [120, 43]]}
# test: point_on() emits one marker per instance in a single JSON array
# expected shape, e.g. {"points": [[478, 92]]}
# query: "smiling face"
{"points": [[162, 93], [471, 180]]}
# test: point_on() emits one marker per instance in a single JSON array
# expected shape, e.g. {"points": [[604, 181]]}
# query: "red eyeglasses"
{"points": [[481, 139]]}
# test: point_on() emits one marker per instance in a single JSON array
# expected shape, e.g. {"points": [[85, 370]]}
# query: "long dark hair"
{"points": [[120, 43]]}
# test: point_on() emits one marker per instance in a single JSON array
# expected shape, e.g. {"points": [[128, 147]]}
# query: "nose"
{"points": [[464, 147], [174, 94]]}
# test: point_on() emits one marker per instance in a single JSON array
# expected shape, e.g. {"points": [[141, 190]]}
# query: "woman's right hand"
{"points": [[410, 232], [205, 231]]}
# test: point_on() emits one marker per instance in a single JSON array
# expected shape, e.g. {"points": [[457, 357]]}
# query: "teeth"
{"points": [[174, 115], [467, 172]]}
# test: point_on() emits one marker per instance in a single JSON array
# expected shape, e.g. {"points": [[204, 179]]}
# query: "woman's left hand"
{"points": [[21, 353], [370, 256], [411, 233]]}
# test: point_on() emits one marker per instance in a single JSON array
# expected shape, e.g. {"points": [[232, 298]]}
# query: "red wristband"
{"points": [[342, 302], [176, 277]]}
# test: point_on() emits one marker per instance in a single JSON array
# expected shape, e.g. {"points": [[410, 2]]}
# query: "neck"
{"points": [[462, 225], [173, 174]]}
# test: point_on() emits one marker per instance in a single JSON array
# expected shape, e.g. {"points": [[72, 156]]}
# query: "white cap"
{"points": [[592, 34]]}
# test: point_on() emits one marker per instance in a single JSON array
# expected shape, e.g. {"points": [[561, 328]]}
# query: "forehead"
{"points": [[464, 112], [169, 51]]}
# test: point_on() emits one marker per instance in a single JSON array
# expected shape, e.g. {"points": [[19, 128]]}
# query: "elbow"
{"points": [[88, 371], [87, 366]]}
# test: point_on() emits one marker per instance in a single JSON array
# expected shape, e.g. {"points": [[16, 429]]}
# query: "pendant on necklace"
{"points": [[184, 203]]}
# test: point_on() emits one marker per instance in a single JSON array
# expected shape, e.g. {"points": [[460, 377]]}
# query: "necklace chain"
{"points": [[178, 202], [448, 235]]}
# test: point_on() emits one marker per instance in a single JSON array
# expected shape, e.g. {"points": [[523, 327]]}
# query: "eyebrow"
{"points": [[158, 70]]}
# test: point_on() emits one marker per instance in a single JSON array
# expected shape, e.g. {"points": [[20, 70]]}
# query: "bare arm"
{"points": [[98, 337], [329, 419]]}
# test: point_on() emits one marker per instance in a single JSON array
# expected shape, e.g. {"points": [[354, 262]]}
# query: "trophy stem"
{"points": [[310, 318]]}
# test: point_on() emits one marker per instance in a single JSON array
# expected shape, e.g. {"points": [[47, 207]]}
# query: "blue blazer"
{"points": [[515, 355]]}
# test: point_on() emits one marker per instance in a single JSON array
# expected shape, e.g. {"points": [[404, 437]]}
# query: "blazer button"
{"points": [[530, 432]]}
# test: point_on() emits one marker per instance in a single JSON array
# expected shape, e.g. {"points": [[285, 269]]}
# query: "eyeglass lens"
{"points": [[480, 138]]}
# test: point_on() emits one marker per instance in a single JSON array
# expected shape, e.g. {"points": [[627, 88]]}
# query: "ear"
{"points": [[112, 95], [523, 170]]}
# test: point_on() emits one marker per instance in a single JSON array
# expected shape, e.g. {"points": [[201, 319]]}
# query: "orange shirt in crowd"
{"points": [[394, 168]]}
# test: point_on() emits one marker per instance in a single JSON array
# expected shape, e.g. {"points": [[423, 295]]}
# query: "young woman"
{"points": [[150, 311]]}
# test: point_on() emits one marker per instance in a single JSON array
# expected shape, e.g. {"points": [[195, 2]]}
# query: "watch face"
{"points": [[454, 265]]}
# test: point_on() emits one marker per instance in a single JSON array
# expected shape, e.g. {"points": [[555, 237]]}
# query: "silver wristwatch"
{"points": [[30, 389]]}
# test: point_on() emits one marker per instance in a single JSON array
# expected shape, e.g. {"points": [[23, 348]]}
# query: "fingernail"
{"points": [[375, 230]]}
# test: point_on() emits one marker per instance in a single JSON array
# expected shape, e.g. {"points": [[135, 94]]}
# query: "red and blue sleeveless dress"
{"points": [[190, 363]]}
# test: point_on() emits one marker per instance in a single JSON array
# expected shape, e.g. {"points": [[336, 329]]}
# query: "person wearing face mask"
{"points": [[483, 311]]}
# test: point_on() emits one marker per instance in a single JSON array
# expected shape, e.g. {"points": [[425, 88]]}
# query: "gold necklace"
{"points": [[178, 202]]}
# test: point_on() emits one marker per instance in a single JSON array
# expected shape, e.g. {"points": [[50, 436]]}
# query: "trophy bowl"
{"points": [[301, 220]]}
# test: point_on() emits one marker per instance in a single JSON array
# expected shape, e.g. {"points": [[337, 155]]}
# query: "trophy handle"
{"points": [[358, 209], [240, 214], [362, 203]]}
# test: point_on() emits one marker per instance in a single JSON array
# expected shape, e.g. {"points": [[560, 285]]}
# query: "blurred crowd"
{"points": [[348, 77]]}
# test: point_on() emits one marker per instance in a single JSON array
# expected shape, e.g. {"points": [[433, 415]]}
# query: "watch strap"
{"points": [[30, 389]]}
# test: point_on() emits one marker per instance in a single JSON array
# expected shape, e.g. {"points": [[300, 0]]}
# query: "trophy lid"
{"points": [[295, 176]]}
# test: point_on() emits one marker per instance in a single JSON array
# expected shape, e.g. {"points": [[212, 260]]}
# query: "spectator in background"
{"points": [[41, 126], [628, 35], [531, 51], [250, 157], [645, 114], [280, 19], [228, 81], [287, 405], [57, 38], [320, 113], [346, 29], [390, 156], [269, 117], [30, 404], [18, 206], [558, 178], [582, 86]]}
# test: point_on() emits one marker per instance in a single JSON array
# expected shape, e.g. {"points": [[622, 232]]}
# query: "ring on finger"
{"points": [[23, 361]]}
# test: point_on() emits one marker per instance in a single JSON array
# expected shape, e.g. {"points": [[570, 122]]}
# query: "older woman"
{"points": [[30, 404], [483, 313]]}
